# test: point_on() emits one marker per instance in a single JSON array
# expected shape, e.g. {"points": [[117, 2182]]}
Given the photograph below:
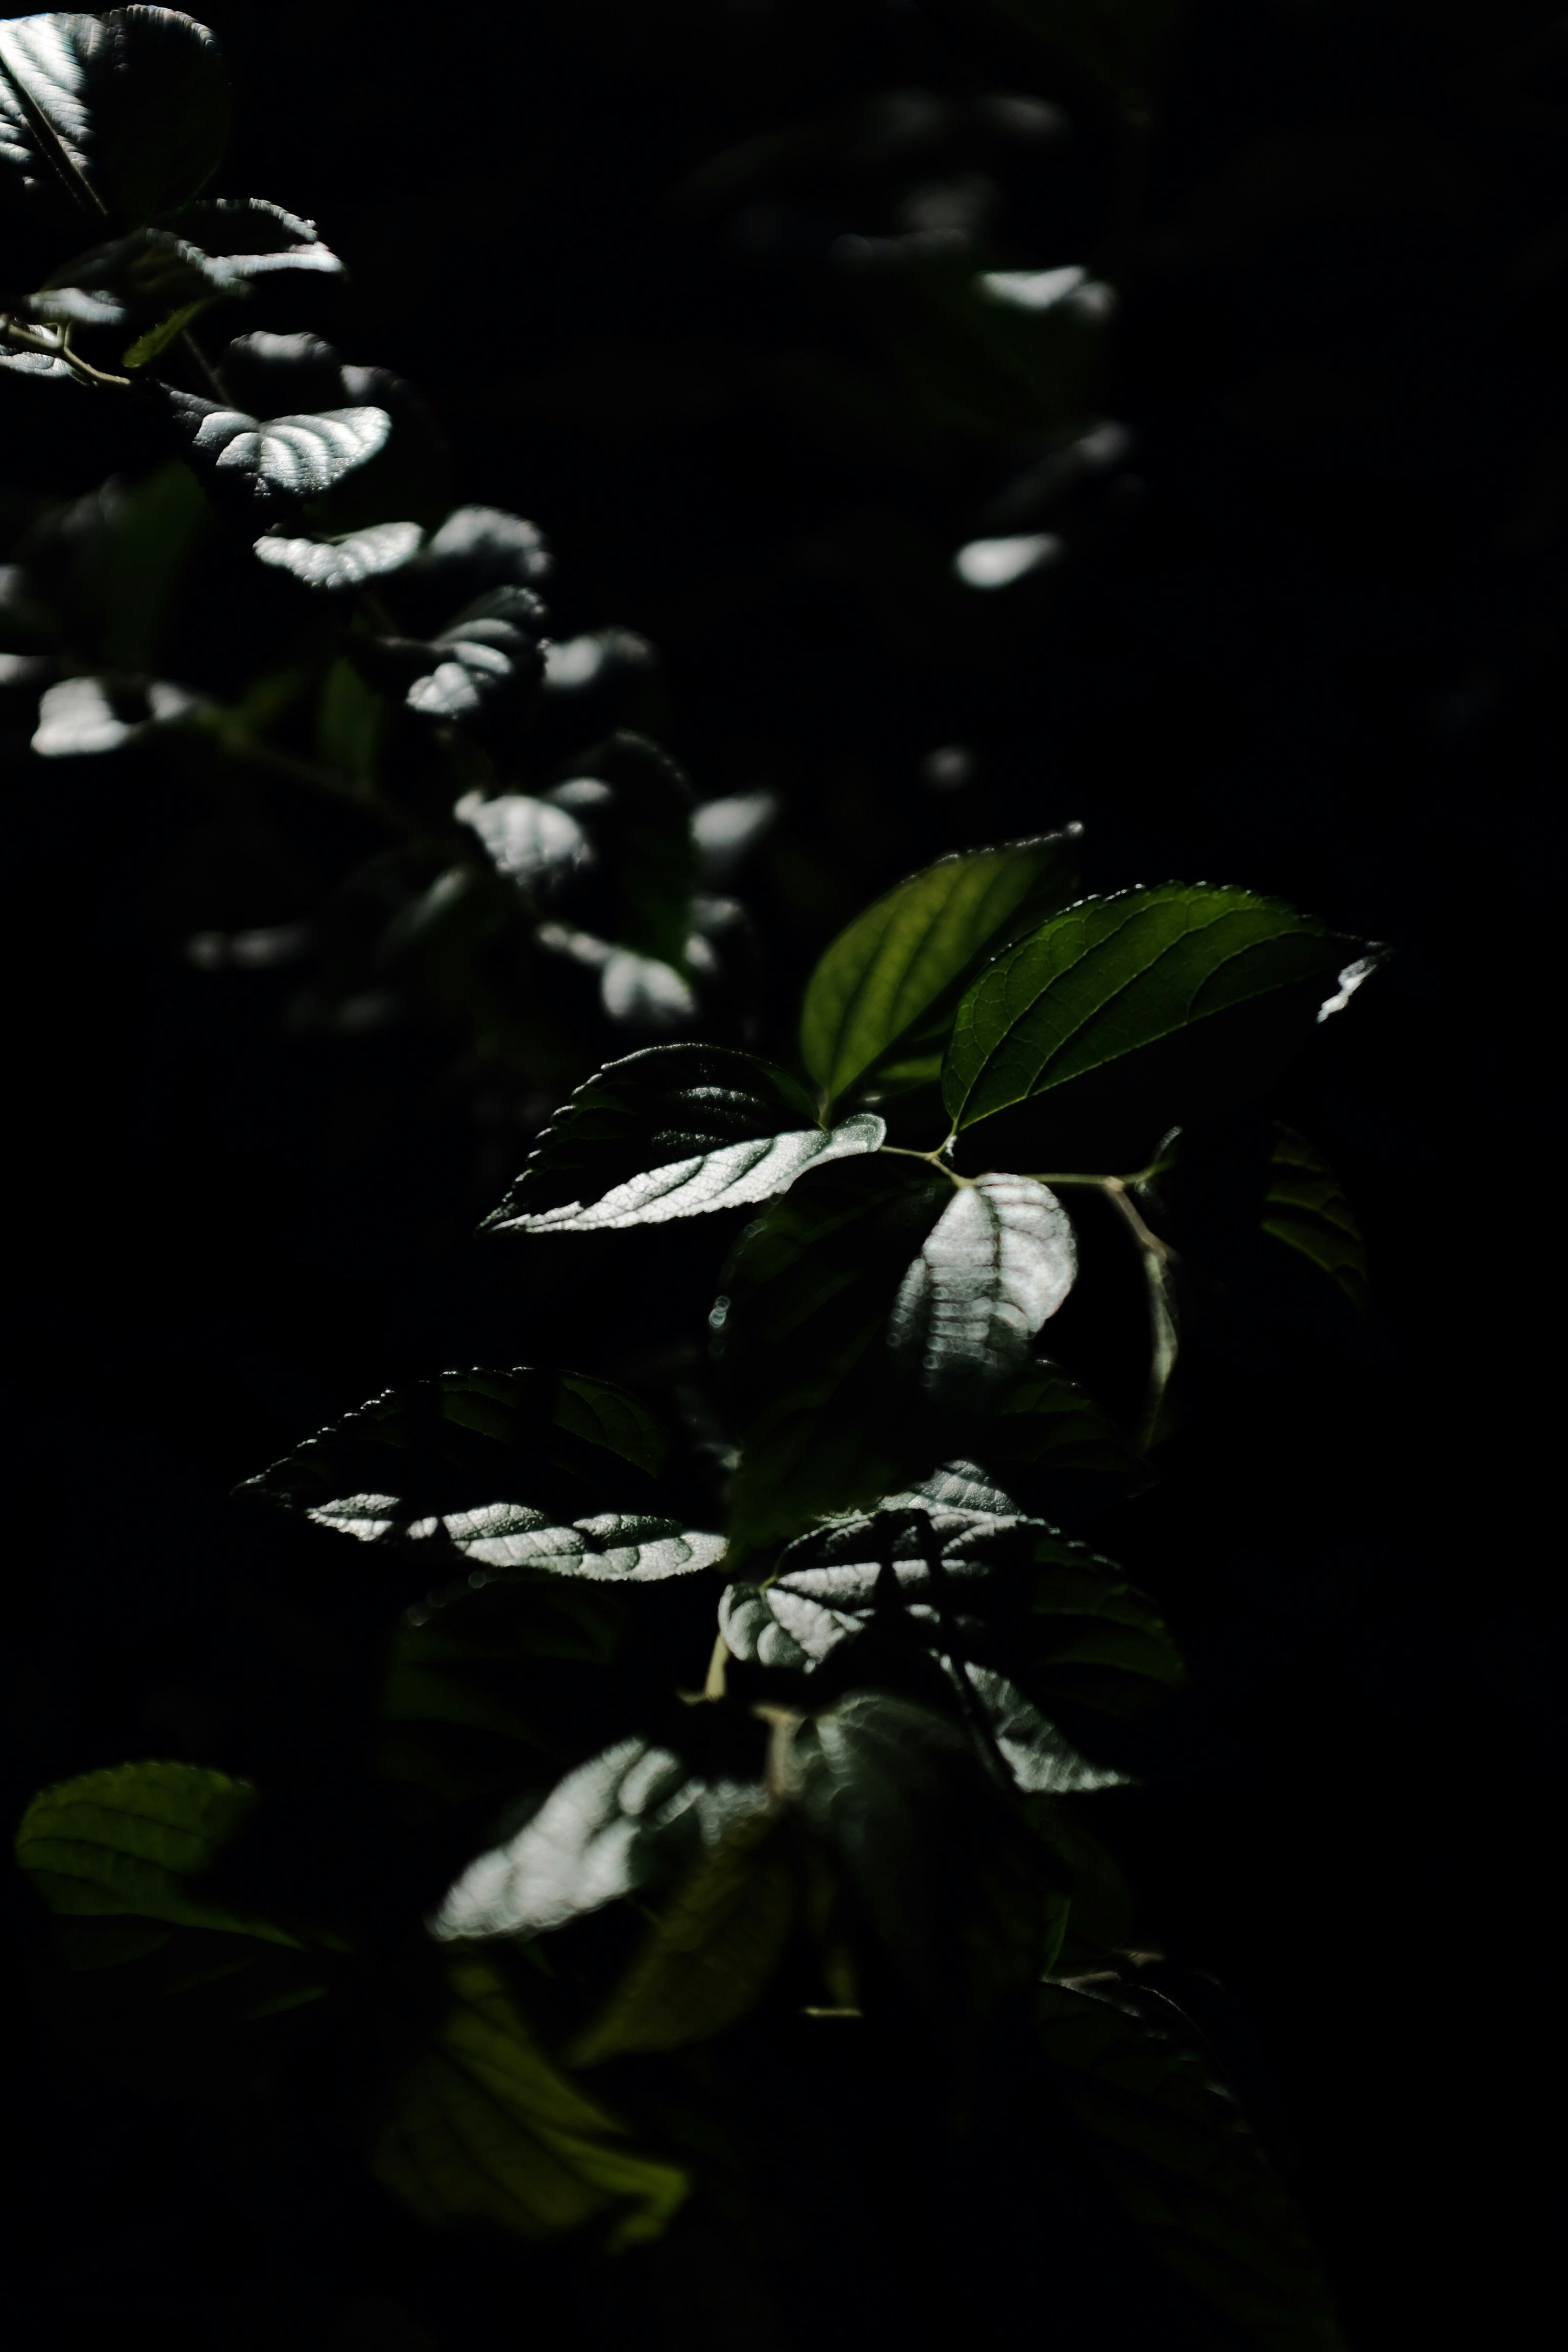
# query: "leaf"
{"points": [[480, 672], [462, 1443], [485, 2128], [672, 1131], [343, 562], [635, 807], [137, 278], [1112, 977], [126, 113], [1044, 1417], [122, 1843], [712, 1953], [474, 550], [146, 348], [84, 717], [998, 1262], [248, 238], [530, 841], [637, 1812], [1174, 2148], [279, 462], [1306, 1208], [894, 968]]}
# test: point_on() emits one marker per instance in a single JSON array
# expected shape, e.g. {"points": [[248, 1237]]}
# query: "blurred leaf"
{"points": [[890, 975], [1177, 2152], [998, 1262], [635, 807], [1306, 1208], [460, 1444], [672, 1131], [1113, 976], [474, 550], [485, 2128], [480, 672], [709, 1957], [279, 462], [343, 562], [249, 237], [137, 278], [128, 112], [84, 717], [1120, 42], [122, 1843], [533, 841]]}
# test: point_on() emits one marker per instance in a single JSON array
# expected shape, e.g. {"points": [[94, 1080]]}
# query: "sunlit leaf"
{"points": [[673, 1132], [894, 968], [635, 1813], [559, 1446], [1176, 2149], [480, 672], [484, 2127], [717, 1942], [999, 1262], [1306, 1208], [81, 717], [343, 562], [126, 113], [137, 278], [635, 807], [1111, 977], [126, 1842], [528, 839], [248, 238], [280, 461]]}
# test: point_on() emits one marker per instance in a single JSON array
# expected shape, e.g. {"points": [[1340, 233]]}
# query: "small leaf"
{"points": [[635, 1813], [1112, 977], [279, 461], [886, 976], [343, 562], [481, 672], [465, 1444], [999, 1262], [125, 114], [1306, 1208], [248, 238], [672, 1131], [484, 2127], [124, 1843], [530, 840], [83, 716], [1174, 2148], [146, 348], [717, 1943], [477, 549]]}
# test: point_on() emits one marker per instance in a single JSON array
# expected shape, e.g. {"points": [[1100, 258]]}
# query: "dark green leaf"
{"points": [[635, 807], [126, 1842], [137, 278], [877, 990], [343, 562], [483, 2127], [634, 1814], [672, 1131], [998, 1262], [715, 1946], [1044, 1417], [279, 462], [467, 1443], [1176, 2149], [1306, 1208], [125, 114], [1111, 977]]}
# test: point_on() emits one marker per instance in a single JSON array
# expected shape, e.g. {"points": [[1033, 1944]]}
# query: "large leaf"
{"points": [[469, 1447], [483, 2127], [1113, 977], [1306, 1208], [276, 463], [885, 977], [126, 1842], [634, 1814], [999, 1261], [125, 114], [1173, 2146], [673, 1132]]}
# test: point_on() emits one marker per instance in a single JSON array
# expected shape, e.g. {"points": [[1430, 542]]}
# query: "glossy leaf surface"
{"points": [[485, 2128], [125, 114], [1111, 977], [673, 1132], [887, 974], [998, 1262]]}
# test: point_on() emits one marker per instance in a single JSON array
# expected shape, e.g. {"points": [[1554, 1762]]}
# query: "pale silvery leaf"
{"points": [[280, 459], [608, 1827], [608, 1547], [998, 1262], [730, 1178], [343, 562], [526, 838], [84, 715], [1042, 1760]]}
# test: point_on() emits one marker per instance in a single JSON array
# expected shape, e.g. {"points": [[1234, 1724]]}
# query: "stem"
{"points": [[714, 1687]]}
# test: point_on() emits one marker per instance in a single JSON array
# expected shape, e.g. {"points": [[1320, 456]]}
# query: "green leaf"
{"points": [[1045, 1418], [147, 348], [635, 807], [1306, 1208], [634, 1814], [1112, 977], [485, 2128], [999, 1261], [716, 1945], [125, 1841], [462, 1446], [672, 1131], [1174, 2148], [345, 563], [890, 975], [125, 114], [279, 462]]}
